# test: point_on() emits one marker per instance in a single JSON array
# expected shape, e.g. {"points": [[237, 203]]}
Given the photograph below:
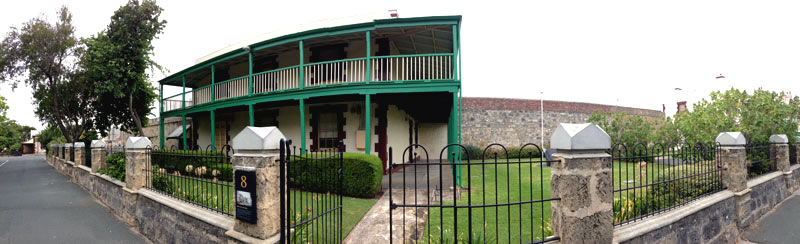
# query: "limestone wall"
{"points": [[517, 121], [718, 218], [160, 219]]}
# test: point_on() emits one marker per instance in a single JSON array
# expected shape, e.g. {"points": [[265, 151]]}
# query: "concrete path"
{"points": [[781, 225], [39, 205]]}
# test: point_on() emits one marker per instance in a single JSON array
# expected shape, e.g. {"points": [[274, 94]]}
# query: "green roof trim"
{"points": [[174, 79]]}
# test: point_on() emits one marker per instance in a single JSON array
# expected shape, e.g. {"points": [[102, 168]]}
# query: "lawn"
{"points": [[491, 184], [219, 196]]}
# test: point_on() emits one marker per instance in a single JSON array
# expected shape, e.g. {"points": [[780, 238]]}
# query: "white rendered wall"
{"points": [[433, 136]]}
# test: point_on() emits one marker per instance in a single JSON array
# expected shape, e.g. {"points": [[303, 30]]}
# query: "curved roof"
{"points": [[311, 30]]}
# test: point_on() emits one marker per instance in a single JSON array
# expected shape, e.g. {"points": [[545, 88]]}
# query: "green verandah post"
{"points": [[302, 126], [368, 124], [213, 119], [302, 74], [369, 73], [160, 115]]}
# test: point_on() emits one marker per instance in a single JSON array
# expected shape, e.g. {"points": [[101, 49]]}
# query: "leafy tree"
{"points": [[117, 61], [757, 115], [48, 135], [624, 128], [11, 133], [47, 56]]}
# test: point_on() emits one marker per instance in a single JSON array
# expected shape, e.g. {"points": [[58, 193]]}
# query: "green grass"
{"points": [[220, 196], [632, 172], [307, 204], [498, 184]]}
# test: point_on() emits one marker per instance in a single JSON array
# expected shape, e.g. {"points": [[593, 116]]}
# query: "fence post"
{"points": [[68, 153], [779, 150], [136, 162], [79, 157], [257, 149], [582, 180], [98, 155], [733, 156]]}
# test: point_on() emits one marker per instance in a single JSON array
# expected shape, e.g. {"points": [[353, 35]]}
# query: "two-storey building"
{"points": [[372, 84]]}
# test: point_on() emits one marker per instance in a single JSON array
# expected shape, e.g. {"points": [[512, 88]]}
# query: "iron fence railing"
{"points": [[114, 149], [313, 213], [651, 180], [760, 159], [87, 153], [506, 198], [792, 154], [72, 154], [200, 177]]}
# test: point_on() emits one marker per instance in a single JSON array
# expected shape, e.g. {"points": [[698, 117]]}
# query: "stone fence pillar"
{"points": [[79, 153], [733, 156], [258, 149], [136, 160], [68, 152], [98, 155], [779, 150], [582, 180]]}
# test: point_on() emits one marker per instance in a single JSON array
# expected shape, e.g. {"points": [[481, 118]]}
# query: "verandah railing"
{"points": [[658, 178], [418, 67]]}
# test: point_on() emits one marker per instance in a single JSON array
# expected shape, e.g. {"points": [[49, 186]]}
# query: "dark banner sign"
{"points": [[245, 195]]}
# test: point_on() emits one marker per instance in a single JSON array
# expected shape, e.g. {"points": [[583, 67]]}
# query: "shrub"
{"points": [[115, 166], [216, 164], [685, 188], [162, 183], [362, 174], [519, 152], [471, 152]]}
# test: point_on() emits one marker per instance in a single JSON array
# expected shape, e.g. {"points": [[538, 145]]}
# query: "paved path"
{"points": [[39, 205], [781, 225]]}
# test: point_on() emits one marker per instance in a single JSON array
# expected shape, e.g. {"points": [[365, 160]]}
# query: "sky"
{"points": [[625, 53]]}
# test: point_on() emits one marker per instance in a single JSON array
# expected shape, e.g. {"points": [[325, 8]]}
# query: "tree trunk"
{"points": [[136, 118]]}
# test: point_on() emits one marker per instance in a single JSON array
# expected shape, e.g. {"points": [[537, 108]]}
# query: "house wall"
{"points": [[289, 124], [433, 136]]}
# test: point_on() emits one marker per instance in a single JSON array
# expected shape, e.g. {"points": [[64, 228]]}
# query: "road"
{"points": [[39, 205], [779, 225]]}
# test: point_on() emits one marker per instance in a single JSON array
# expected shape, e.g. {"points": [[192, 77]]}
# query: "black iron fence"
{"points": [[651, 180], [87, 156], [72, 153], [200, 177], [313, 216], [63, 152], [792, 154], [505, 199], [760, 159]]}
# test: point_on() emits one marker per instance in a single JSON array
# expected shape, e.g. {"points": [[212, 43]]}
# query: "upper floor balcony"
{"points": [[382, 52]]}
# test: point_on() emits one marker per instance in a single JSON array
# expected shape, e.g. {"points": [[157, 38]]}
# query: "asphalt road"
{"points": [[781, 225], [39, 205]]}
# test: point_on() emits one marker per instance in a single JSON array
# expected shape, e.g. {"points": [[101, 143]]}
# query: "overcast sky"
{"points": [[627, 53]]}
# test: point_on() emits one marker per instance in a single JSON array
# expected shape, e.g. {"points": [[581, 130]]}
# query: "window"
{"points": [[328, 130]]}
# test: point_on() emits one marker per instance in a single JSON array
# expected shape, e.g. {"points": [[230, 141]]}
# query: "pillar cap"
{"points": [[67, 144], [80, 144], [731, 139], [585, 136], [137, 143], [98, 144], [779, 138], [258, 138]]}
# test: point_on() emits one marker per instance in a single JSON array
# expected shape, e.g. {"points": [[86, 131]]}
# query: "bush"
{"points": [[162, 183], [519, 152], [115, 166], [472, 152], [216, 164], [684, 189], [362, 174]]}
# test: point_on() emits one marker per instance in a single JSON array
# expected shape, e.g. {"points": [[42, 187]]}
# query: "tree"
{"points": [[758, 116], [11, 133], [117, 61], [48, 135], [624, 128], [48, 54]]}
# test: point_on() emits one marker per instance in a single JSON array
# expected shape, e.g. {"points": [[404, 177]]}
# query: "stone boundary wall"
{"points": [[713, 219], [159, 218], [517, 121]]}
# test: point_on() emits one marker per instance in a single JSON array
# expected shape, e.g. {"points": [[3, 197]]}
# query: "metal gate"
{"points": [[470, 195], [311, 205]]}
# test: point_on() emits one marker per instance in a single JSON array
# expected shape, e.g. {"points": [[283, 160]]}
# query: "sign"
{"points": [[245, 181]]}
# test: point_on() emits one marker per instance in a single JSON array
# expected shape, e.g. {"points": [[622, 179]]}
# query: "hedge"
{"points": [[362, 174], [115, 166], [476, 153]]}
